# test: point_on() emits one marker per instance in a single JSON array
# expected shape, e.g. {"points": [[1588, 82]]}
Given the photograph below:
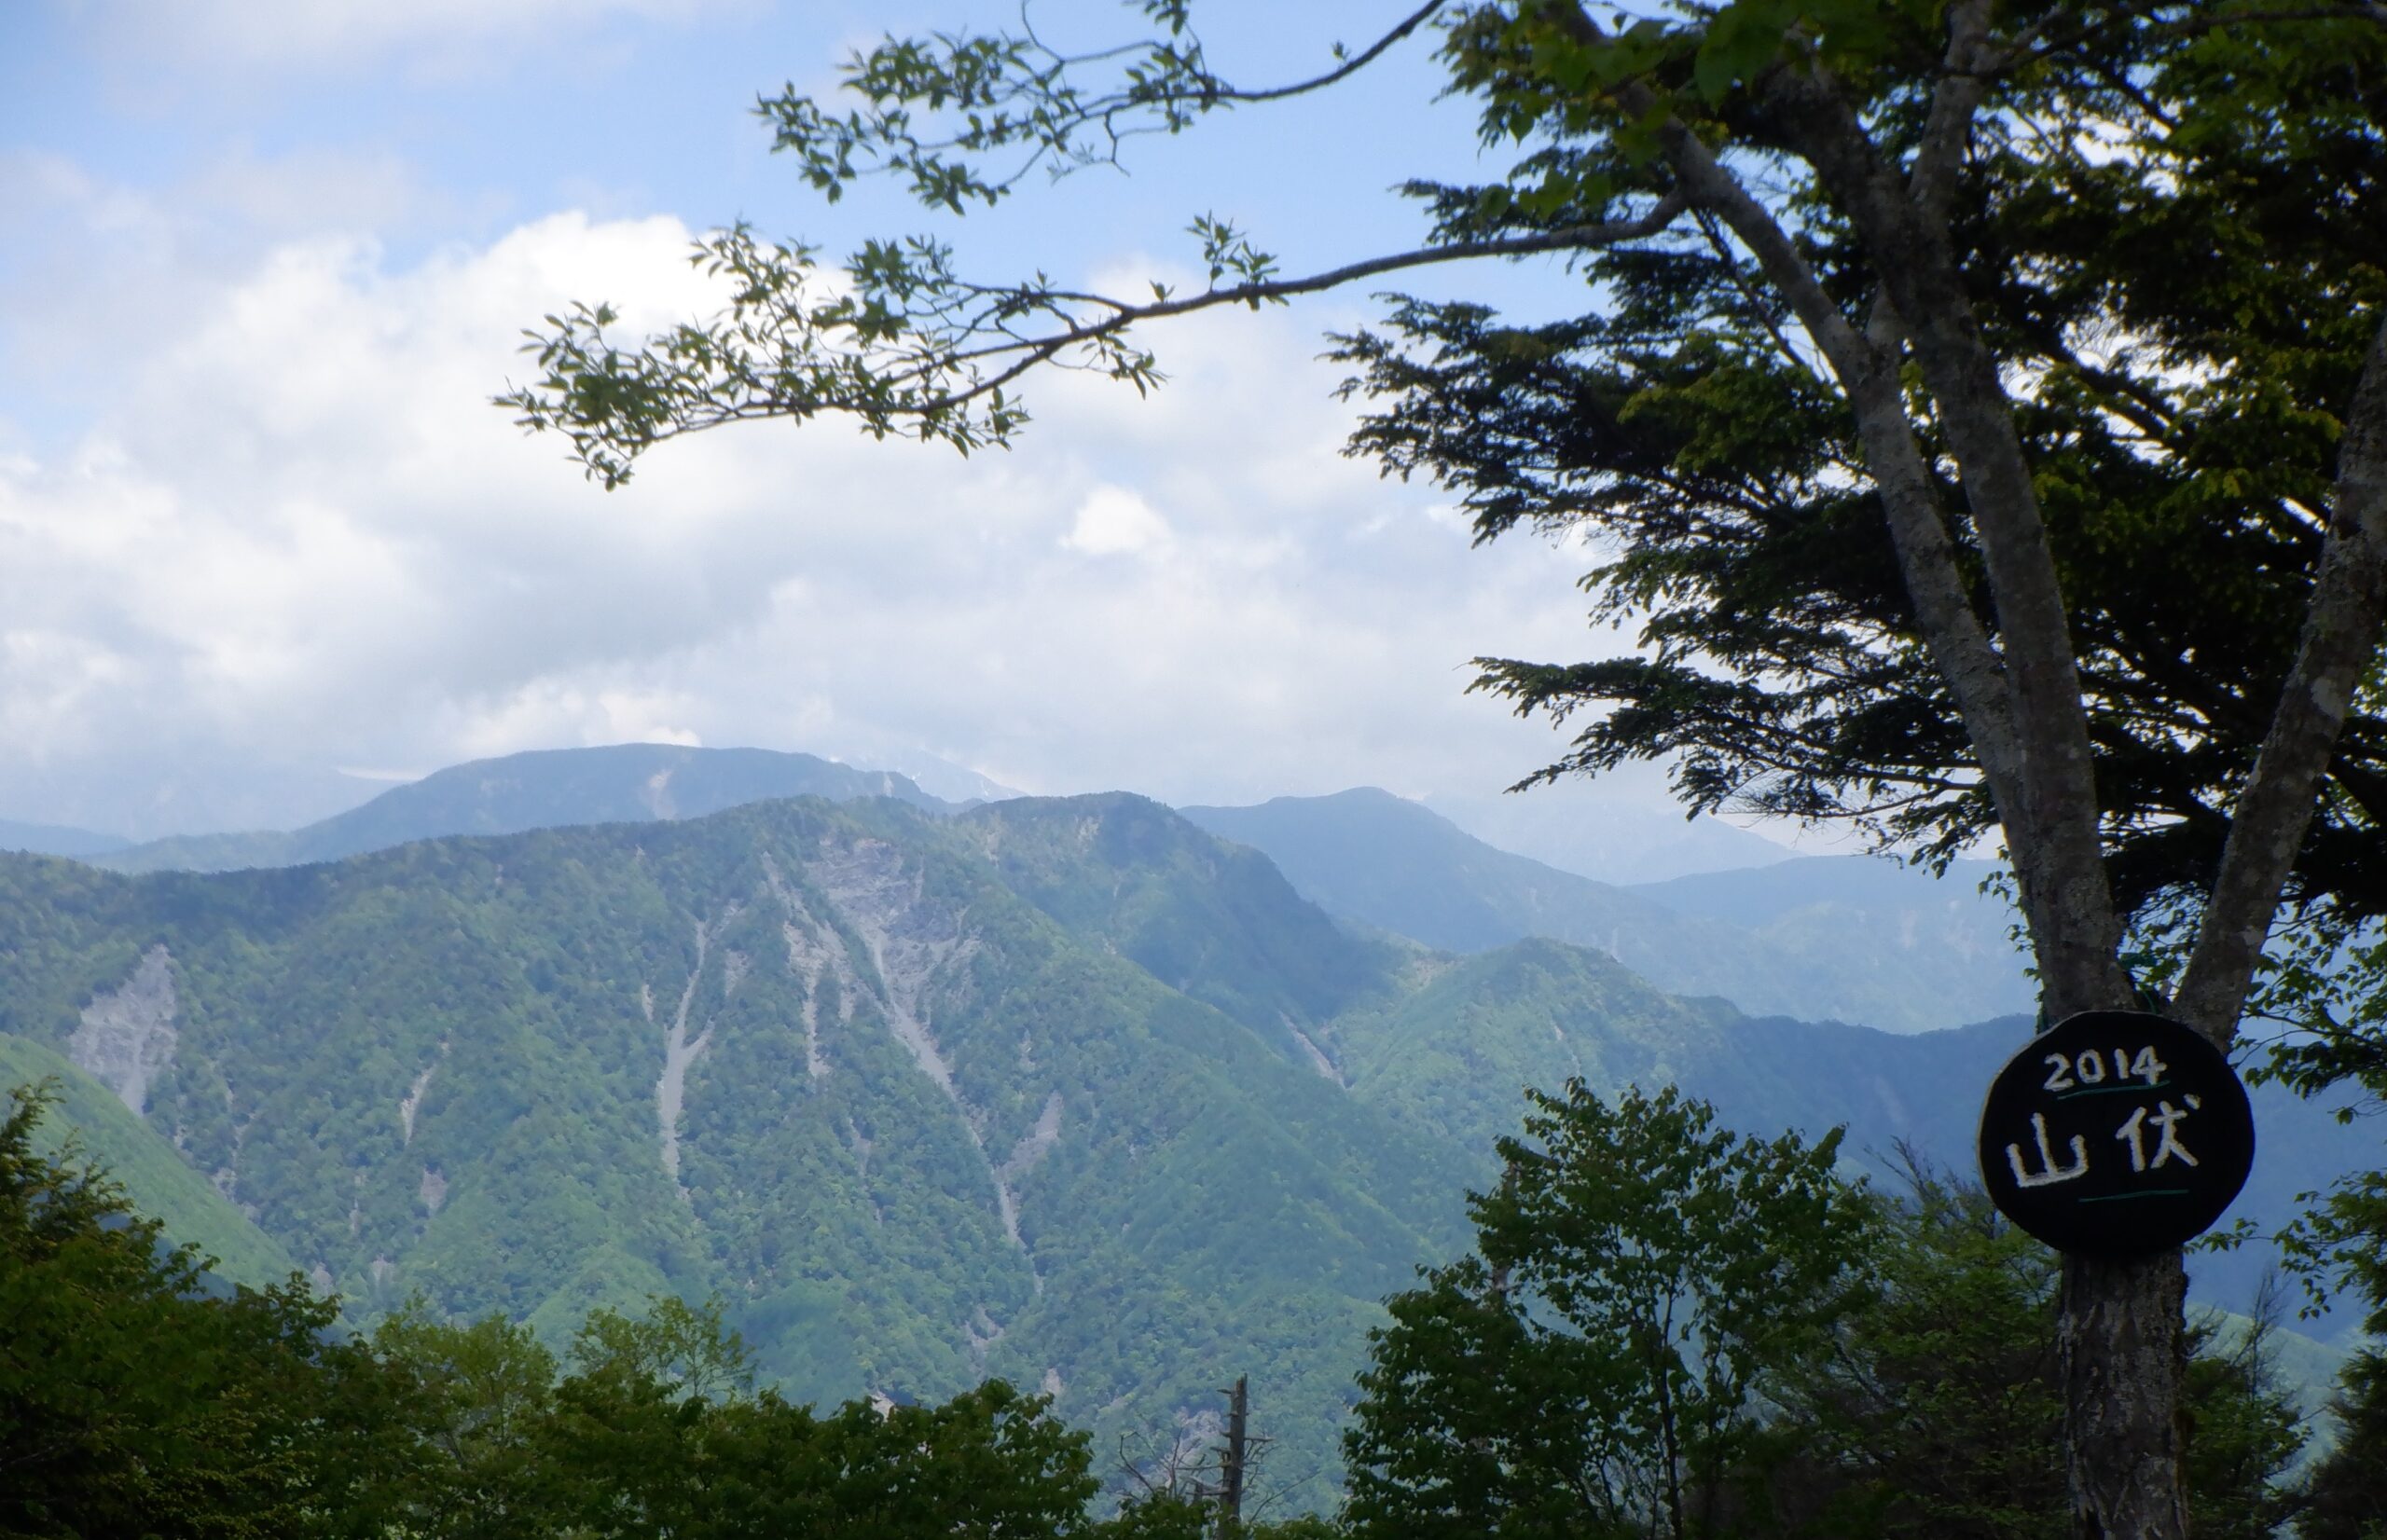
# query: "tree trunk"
{"points": [[2121, 1356], [2121, 1333], [1231, 1458]]}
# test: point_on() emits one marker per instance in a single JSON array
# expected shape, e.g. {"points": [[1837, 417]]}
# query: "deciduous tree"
{"points": [[1593, 1369], [140, 1395], [1933, 1411], [1985, 403], [477, 1400]]}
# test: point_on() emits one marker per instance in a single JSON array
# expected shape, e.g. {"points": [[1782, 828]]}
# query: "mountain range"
{"points": [[540, 788], [1074, 1091], [1836, 938], [1845, 938], [1584, 827], [50, 839]]}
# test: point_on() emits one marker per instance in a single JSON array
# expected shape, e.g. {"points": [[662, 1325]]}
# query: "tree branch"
{"points": [[1013, 91], [2340, 639], [1926, 556], [1350, 66], [1267, 291], [2055, 844], [614, 405], [1955, 101]]}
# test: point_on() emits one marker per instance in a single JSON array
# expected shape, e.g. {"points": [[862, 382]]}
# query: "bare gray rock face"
{"points": [[127, 1037], [680, 1051]]}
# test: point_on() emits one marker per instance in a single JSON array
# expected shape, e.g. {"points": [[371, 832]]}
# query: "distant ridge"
{"points": [[1581, 828], [540, 788], [1844, 938], [50, 839], [1768, 894], [1841, 938]]}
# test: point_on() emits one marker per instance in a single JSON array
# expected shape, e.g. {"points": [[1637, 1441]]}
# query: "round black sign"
{"points": [[2116, 1133]]}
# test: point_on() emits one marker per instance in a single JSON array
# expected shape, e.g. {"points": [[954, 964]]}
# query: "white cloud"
{"points": [[300, 537], [382, 776], [1116, 521]]}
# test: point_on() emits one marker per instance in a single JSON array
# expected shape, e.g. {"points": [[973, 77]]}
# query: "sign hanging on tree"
{"points": [[2116, 1133]]}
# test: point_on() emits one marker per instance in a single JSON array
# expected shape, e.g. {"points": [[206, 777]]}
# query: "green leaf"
{"points": [[1739, 44]]}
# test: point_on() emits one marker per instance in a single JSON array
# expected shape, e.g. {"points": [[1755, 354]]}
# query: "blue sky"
{"points": [[261, 541]]}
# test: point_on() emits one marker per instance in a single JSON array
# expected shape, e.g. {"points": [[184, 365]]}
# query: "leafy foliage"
{"points": [[1934, 1407], [2339, 1243], [898, 337], [154, 1177], [1592, 1370], [1667, 1331], [479, 1397], [1914, 421], [2347, 1494], [436, 1069], [2159, 216], [1889, 1378], [2132, 214], [135, 1399]]}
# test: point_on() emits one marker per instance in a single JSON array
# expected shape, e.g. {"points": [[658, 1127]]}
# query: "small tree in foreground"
{"points": [[1593, 1369], [1934, 1411], [143, 1398], [2346, 1495], [1668, 1332], [2341, 1245]]}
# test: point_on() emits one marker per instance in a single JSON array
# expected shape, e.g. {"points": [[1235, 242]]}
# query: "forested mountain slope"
{"points": [[1452, 1056], [822, 1061], [1211, 918], [1926, 938], [543, 789], [1834, 938], [1062, 1090], [155, 1178]]}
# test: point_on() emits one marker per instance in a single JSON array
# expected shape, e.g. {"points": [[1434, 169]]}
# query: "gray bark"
{"points": [[2122, 1362], [2121, 1333], [2340, 638], [1960, 648], [2121, 1336], [2057, 855]]}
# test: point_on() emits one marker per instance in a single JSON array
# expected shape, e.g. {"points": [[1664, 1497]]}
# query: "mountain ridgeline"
{"points": [[1828, 938], [1067, 1091], [824, 1062], [49, 839], [540, 788]]}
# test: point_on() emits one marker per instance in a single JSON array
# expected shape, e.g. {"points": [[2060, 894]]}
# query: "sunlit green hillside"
{"points": [[1065, 1091]]}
